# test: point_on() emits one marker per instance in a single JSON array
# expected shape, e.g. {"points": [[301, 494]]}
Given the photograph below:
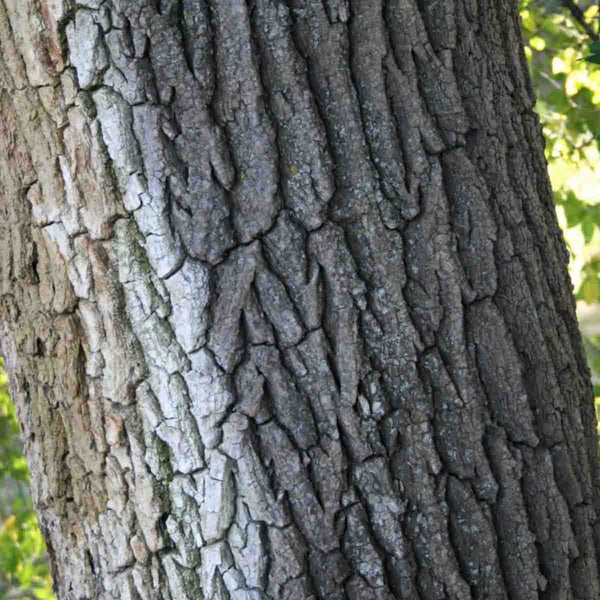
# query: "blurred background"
{"points": [[23, 566], [563, 49]]}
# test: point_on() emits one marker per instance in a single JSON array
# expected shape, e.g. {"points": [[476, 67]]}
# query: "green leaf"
{"points": [[592, 58], [575, 210], [594, 47], [590, 289], [587, 228]]}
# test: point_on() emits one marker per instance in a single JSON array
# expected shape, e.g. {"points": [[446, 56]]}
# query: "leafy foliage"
{"points": [[594, 55], [563, 50], [23, 565], [12, 463], [568, 89]]}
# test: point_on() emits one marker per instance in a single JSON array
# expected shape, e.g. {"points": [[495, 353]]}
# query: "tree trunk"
{"points": [[285, 303]]}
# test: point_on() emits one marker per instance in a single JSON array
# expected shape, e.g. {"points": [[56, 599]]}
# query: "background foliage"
{"points": [[23, 567], [563, 50]]}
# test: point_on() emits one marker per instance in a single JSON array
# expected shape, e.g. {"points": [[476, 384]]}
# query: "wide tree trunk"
{"points": [[285, 304]]}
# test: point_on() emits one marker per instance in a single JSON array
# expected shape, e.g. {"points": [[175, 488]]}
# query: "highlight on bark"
{"points": [[285, 306]]}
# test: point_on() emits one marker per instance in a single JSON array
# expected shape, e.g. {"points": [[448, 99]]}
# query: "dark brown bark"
{"points": [[285, 303]]}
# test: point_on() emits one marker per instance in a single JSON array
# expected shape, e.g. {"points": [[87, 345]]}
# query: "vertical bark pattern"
{"points": [[285, 303]]}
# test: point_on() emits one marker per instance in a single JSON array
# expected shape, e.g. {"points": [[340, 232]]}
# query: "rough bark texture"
{"points": [[285, 303]]}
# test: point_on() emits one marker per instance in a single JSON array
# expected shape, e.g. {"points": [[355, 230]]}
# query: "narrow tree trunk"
{"points": [[285, 304]]}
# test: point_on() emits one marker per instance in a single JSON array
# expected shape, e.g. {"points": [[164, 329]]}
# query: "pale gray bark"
{"points": [[285, 304]]}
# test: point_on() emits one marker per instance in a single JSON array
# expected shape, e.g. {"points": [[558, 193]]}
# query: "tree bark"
{"points": [[285, 304]]}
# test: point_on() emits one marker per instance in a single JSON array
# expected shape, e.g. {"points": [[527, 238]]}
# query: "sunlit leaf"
{"points": [[537, 42], [559, 65], [590, 289], [528, 20]]}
